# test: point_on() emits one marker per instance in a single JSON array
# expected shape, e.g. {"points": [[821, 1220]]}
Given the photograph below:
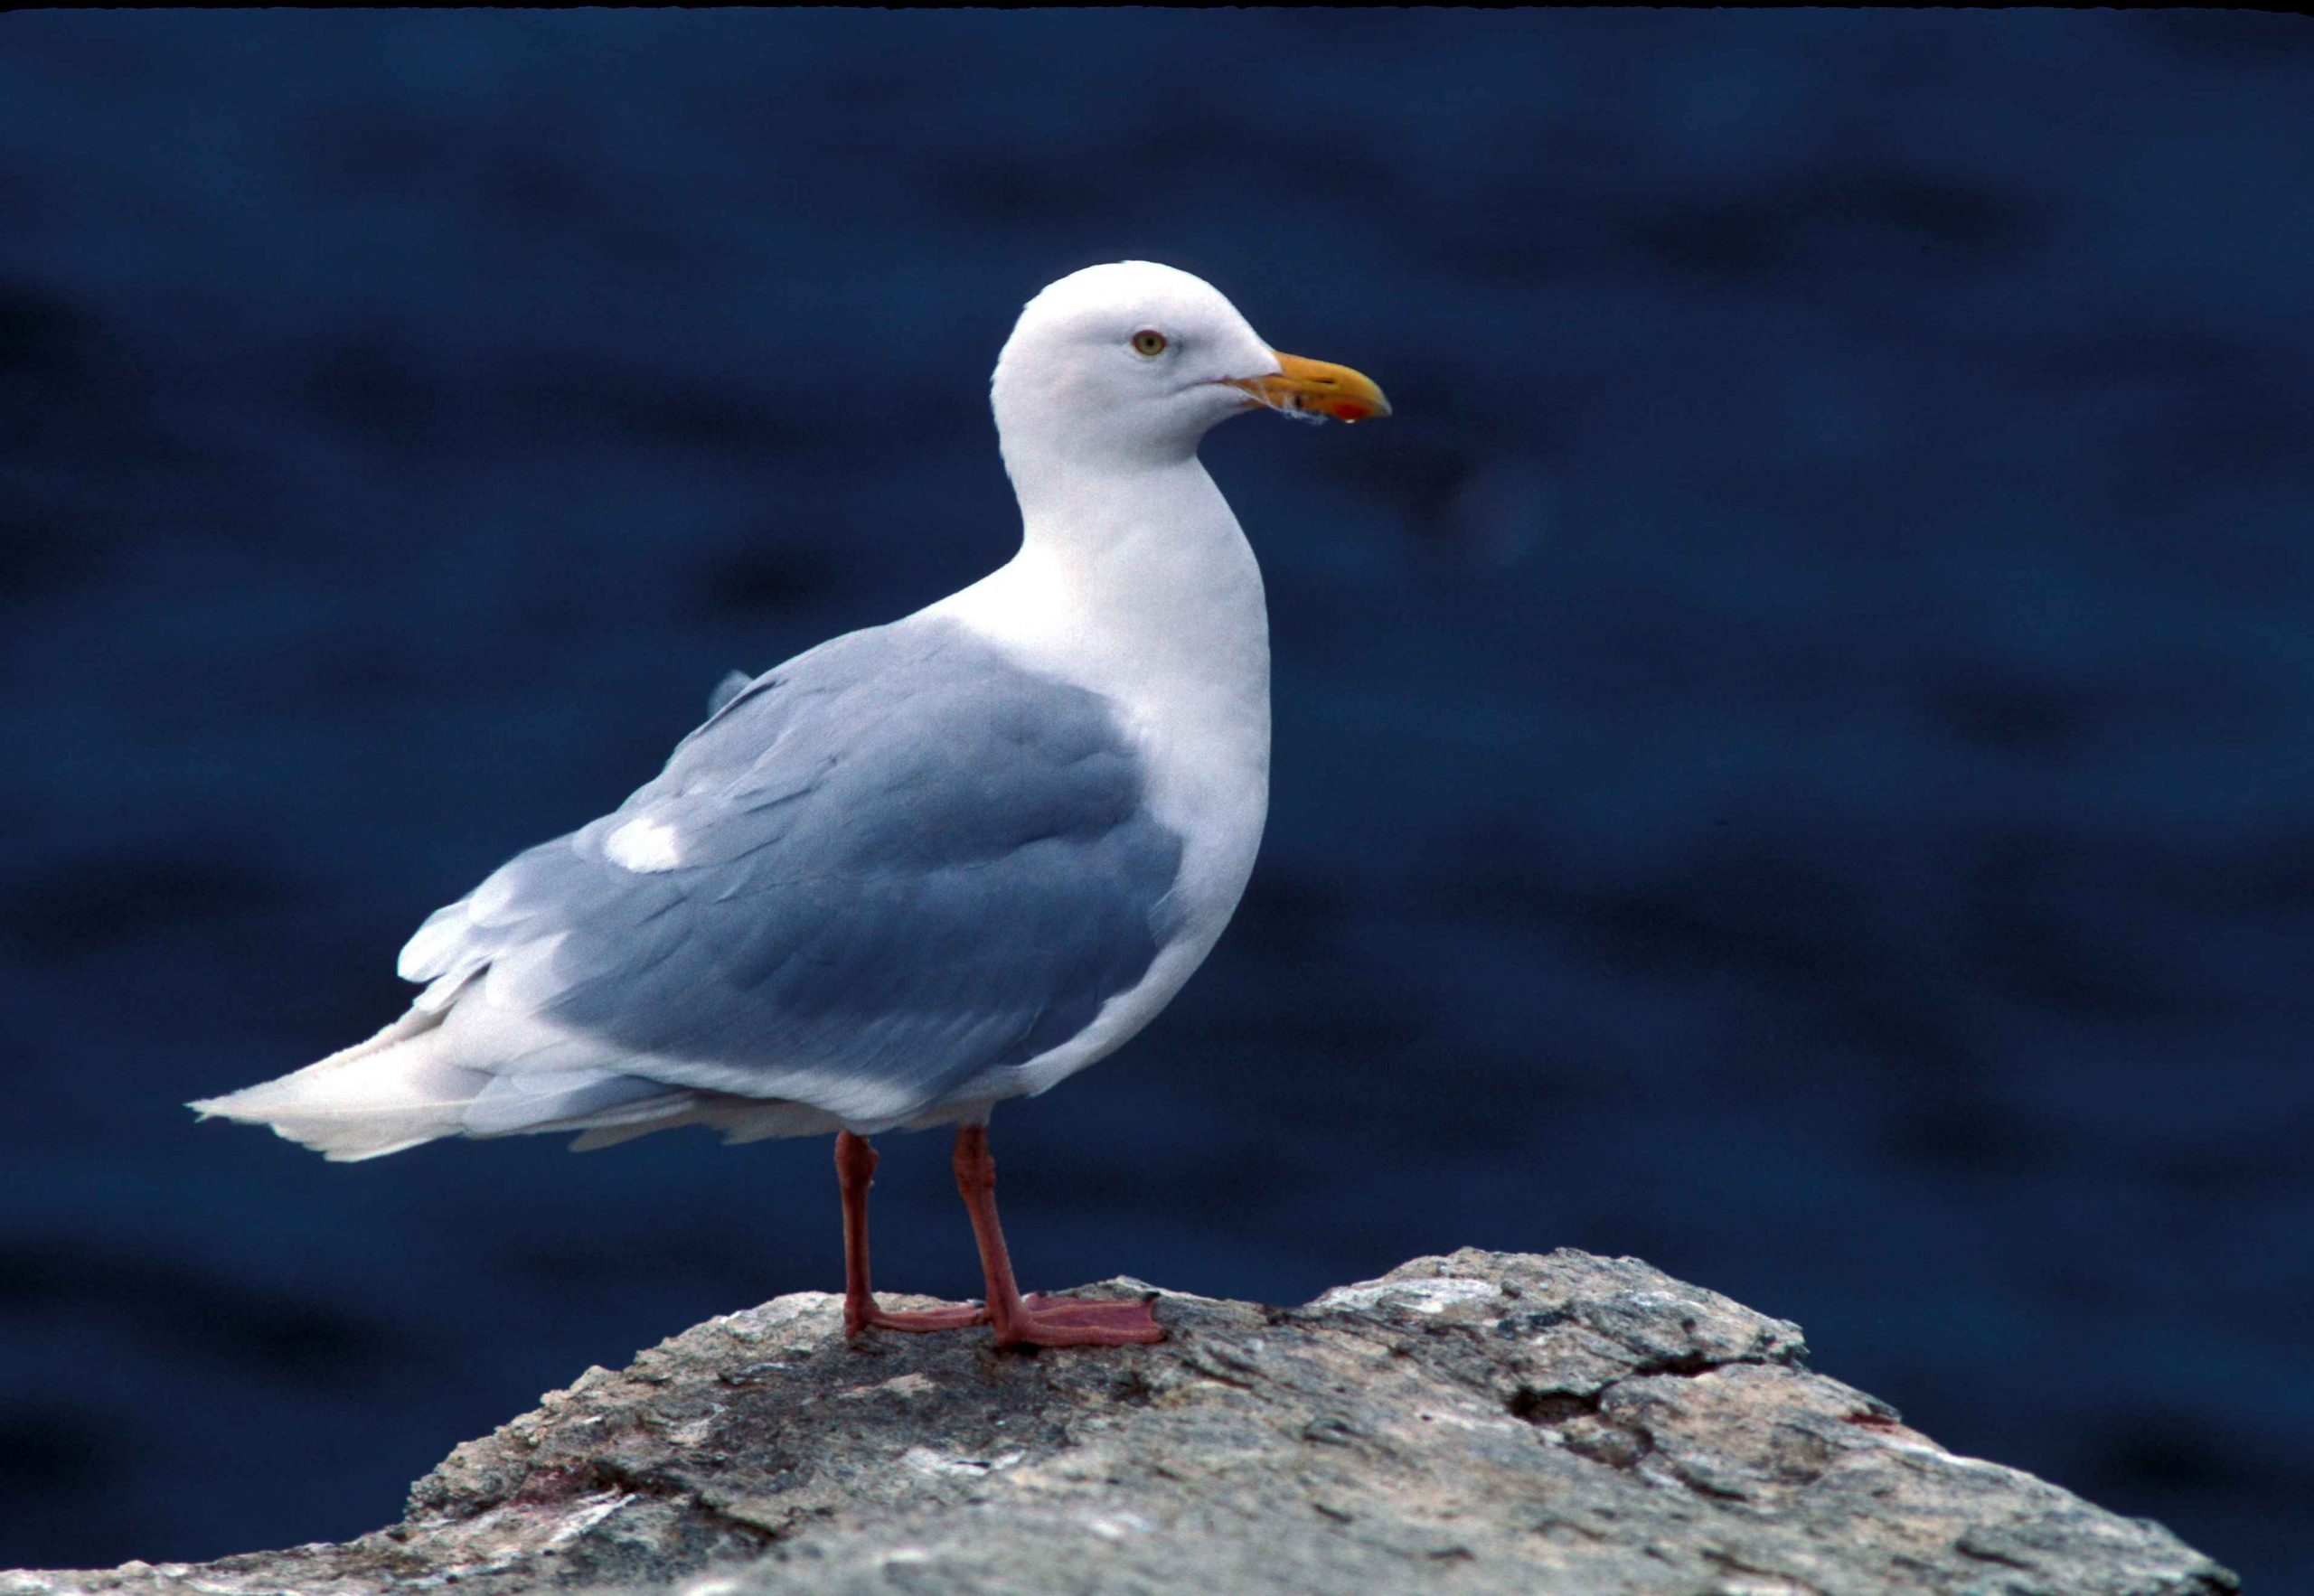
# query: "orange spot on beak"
{"points": [[1319, 388]]}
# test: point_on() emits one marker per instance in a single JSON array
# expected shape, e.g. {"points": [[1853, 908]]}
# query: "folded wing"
{"points": [[876, 872]]}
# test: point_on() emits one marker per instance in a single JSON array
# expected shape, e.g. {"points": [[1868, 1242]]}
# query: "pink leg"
{"points": [[855, 1172], [1034, 1322]]}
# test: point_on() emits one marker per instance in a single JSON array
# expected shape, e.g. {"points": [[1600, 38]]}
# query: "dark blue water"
{"points": [[1795, 750]]}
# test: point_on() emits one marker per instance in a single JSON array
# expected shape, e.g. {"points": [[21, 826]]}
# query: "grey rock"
{"points": [[1481, 1423]]}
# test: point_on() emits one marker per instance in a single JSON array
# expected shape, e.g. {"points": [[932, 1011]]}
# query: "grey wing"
{"points": [[889, 865]]}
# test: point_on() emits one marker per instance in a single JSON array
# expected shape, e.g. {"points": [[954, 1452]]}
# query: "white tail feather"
{"points": [[392, 1091], [405, 1086]]}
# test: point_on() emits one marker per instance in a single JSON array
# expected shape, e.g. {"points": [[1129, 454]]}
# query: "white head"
{"points": [[1125, 366]]}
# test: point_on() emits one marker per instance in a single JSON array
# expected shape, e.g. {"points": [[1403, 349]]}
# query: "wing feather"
{"points": [[875, 872]]}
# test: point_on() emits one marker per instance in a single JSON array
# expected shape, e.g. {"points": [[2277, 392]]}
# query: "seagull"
{"points": [[921, 869]]}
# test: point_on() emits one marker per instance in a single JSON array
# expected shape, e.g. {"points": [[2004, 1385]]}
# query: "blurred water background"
{"points": [[1795, 749]]}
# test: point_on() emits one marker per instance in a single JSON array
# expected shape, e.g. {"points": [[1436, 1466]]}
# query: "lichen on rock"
{"points": [[1484, 1421]]}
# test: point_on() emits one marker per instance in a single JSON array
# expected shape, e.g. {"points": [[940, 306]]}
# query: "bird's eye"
{"points": [[1149, 341]]}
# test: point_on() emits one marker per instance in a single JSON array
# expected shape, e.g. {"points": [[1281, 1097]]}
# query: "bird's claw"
{"points": [[916, 1321], [1068, 1321]]}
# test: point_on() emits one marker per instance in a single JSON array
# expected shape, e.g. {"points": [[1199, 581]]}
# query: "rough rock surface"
{"points": [[1480, 1423]]}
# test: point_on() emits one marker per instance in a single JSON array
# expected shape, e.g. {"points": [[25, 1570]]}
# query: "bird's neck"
{"points": [[1139, 584]]}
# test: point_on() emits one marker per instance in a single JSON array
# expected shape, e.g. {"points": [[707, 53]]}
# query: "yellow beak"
{"points": [[1319, 388]]}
